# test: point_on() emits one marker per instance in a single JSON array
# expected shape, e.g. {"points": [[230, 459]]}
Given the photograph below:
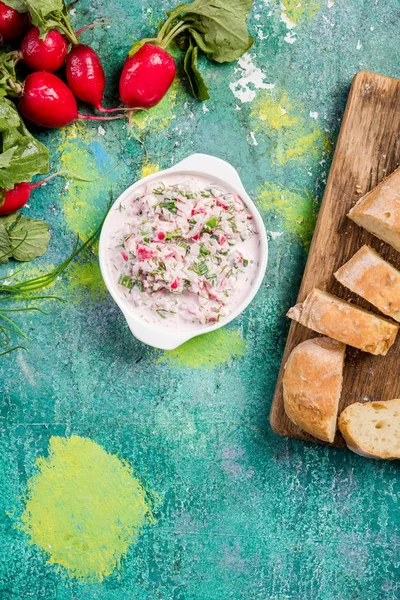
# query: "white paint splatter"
{"points": [[25, 369], [101, 130], [252, 139], [290, 37], [275, 234], [72, 12], [205, 109], [251, 79], [285, 19], [314, 115], [331, 3], [359, 45]]}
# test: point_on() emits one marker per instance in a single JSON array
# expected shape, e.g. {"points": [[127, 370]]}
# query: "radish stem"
{"points": [[92, 26], [97, 118], [179, 27]]}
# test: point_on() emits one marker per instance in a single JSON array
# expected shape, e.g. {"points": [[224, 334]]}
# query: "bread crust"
{"points": [[379, 210], [344, 322], [369, 432], [312, 383], [374, 279]]}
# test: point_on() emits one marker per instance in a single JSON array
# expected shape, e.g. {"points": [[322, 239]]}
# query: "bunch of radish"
{"points": [[218, 29], [46, 100], [44, 97]]}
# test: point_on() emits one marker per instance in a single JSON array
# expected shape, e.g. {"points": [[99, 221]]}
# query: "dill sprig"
{"points": [[26, 292]]}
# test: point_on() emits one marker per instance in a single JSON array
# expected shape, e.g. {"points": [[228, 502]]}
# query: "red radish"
{"points": [[146, 76], [12, 23], [85, 75], [44, 55], [48, 102], [17, 197]]}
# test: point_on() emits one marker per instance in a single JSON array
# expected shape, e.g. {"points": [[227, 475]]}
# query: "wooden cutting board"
{"points": [[368, 149]]}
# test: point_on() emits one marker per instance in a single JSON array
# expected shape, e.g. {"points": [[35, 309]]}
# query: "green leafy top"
{"points": [[47, 15], [9, 86], [18, 5], [217, 27], [21, 155]]}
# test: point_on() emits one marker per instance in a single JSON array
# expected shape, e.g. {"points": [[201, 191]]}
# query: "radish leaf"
{"points": [[218, 27], [197, 84], [21, 156], [51, 14], [29, 239], [18, 5], [5, 245], [9, 86]]}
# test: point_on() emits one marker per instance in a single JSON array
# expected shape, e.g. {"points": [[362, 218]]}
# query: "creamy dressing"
{"points": [[183, 252]]}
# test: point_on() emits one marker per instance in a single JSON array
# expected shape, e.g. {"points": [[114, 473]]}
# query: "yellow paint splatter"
{"points": [[299, 10], [298, 211], [84, 203], [291, 135], [86, 281], [148, 168], [207, 350], [84, 508], [158, 117], [275, 113]]}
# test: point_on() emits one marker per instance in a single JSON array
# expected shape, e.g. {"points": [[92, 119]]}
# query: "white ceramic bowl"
{"points": [[201, 165]]}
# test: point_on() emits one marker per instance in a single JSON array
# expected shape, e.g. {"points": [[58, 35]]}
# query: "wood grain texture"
{"points": [[368, 149]]}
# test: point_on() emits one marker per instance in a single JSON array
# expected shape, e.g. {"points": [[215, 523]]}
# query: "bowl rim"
{"points": [[151, 333]]}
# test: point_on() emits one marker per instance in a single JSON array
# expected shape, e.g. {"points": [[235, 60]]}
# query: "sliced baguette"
{"points": [[312, 383], [379, 210], [375, 280], [372, 429], [344, 322]]}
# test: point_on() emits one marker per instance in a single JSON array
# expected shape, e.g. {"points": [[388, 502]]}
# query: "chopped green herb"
{"points": [[126, 281], [161, 312], [203, 250], [211, 224], [169, 205], [200, 268], [173, 234], [159, 191]]}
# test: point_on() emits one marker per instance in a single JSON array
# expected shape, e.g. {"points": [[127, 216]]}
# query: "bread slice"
{"points": [[312, 383], [344, 322], [379, 210], [375, 280], [372, 429]]}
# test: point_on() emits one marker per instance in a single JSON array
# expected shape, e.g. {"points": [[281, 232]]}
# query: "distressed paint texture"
{"points": [[84, 508], [296, 211], [243, 514], [207, 350]]}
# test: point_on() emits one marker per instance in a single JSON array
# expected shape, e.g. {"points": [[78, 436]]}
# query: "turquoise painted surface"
{"points": [[237, 512]]}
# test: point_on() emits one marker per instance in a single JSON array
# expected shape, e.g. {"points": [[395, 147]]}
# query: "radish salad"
{"points": [[184, 251]]}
